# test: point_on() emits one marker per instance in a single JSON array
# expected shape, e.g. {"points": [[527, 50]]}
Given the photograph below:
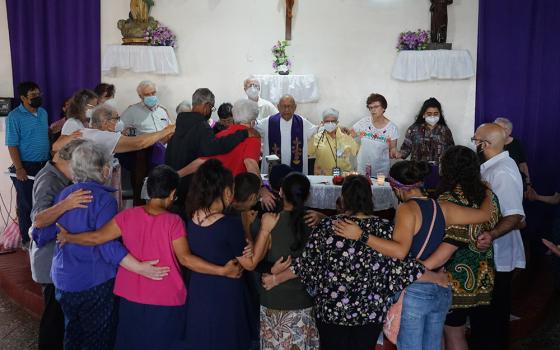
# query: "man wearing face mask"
{"points": [[194, 138], [332, 148], [147, 115], [27, 138], [252, 88], [501, 172]]}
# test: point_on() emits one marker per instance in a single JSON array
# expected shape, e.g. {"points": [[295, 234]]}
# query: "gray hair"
{"points": [[330, 112], [100, 114], [202, 96], [88, 161], [245, 111], [251, 78], [184, 106], [65, 153], [143, 84], [504, 121]]}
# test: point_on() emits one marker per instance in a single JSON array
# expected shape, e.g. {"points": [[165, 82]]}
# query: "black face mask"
{"points": [[36, 102], [480, 154]]}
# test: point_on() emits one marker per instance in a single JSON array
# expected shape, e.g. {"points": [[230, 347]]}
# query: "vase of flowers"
{"points": [[160, 35], [281, 63], [417, 40]]}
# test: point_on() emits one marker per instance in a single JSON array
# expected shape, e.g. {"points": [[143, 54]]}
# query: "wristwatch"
{"points": [[364, 237]]}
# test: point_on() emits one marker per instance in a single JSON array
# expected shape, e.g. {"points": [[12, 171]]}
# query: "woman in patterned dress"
{"points": [[351, 284]]}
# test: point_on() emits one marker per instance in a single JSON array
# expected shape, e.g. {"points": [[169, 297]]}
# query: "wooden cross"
{"points": [[289, 15]]}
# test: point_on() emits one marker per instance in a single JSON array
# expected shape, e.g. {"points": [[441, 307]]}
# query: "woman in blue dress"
{"points": [[218, 308]]}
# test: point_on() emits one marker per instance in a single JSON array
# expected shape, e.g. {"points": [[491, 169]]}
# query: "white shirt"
{"points": [[374, 145], [504, 178], [71, 125], [145, 120], [266, 109], [286, 136], [105, 138]]}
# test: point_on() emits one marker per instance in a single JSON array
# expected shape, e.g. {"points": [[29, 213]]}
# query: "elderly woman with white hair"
{"points": [[245, 156], [332, 148], [515, 150], [84, 276]]}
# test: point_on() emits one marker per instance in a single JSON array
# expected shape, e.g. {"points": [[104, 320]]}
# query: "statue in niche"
{"points": [[438, 8], [133, 29]]}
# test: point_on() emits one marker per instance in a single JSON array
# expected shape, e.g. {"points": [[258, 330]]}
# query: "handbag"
{"points": [[393, 319], [10, 238]]}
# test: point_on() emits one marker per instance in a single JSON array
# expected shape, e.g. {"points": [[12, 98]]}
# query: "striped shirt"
{"points": [[29, 133]]}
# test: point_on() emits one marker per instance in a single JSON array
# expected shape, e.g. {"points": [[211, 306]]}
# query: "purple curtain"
{"points": [[518, 76], [57, 45]]}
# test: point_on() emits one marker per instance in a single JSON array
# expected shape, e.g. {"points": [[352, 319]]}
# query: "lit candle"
{"points": [[380, 179]]}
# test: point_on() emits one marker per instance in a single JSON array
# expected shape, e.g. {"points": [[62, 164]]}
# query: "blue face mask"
{"points": [[150, 101]]}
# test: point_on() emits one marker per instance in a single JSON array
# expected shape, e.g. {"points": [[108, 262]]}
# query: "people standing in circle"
{"points": [[377, 136], [332, 148]]}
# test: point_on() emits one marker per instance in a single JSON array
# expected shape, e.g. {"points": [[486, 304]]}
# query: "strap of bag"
{"points": [[429, 232]]}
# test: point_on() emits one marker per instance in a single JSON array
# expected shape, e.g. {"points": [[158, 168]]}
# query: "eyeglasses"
{"points": [[212, 108], [34, 95], [372, 107], [475, 140], [89, 105]]}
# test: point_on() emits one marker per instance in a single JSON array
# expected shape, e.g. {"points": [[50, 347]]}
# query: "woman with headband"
{"points": [[419, 230]]}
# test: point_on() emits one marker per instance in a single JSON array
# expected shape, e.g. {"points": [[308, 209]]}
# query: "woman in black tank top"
{"points": [[414, 233]]}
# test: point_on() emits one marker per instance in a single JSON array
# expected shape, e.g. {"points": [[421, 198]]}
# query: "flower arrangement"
{"points": [[417, 40], [160, 36], [281, 63]]}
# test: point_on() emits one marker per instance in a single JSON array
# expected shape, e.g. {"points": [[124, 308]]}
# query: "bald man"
{"points": [[501, 172]]}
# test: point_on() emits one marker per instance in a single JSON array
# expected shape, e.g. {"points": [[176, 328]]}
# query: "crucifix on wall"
{"points": [[289, 15]]}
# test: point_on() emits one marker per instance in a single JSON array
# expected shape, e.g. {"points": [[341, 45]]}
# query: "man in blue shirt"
{"points": [[27, 138]]}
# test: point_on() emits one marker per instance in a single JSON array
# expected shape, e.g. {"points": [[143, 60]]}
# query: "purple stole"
{"points": [[296, 139]]}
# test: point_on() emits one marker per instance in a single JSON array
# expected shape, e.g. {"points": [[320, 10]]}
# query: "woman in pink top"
{"points": [[152, 313]]}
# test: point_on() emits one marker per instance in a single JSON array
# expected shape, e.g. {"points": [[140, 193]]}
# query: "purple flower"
{"points": [[339, 244]]}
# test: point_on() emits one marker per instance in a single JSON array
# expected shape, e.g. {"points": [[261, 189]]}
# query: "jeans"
{"points": [[425, 307], [24, 191]]}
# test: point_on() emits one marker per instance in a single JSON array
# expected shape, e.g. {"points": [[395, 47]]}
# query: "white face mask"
{"points": [[89, 112], [119, 127], [252, 93], [431, 120], [330, 126], [111, 103]]}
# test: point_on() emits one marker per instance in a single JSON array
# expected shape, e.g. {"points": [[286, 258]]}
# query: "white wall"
{"points": [[6, 90], [348, 44]]}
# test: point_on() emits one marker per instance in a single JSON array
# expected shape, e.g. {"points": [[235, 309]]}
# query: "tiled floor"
{"points": [[18, 329]]}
